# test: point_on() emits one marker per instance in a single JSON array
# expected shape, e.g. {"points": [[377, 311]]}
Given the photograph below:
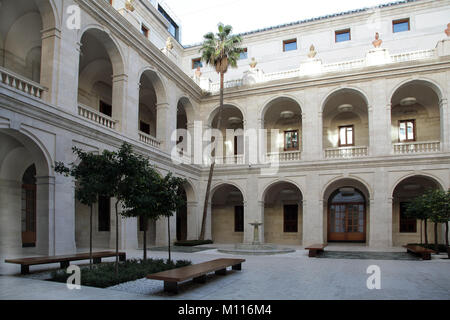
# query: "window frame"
{"points": [[193, 61], [406, 131], [246, 54], [353, 136], [298, 140], [399, 21], [288, 223], [405, 222], [289, 41], [145, 30], [343, 31]]}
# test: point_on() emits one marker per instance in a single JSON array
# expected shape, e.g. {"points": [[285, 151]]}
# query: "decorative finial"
{"points": [[169, 44], [447, 31], [198, 73], [253, 63], [377, 42], [312, 52], [129, 5]]}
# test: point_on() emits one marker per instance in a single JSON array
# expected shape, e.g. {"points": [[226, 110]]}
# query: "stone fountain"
{"points": [[256, 247]]}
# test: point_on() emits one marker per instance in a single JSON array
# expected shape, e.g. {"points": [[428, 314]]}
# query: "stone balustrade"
{"points": [[346, 152], [234, 159], [149, 140], [417, 147], [283, 156], [96, 116], [11, 79]]}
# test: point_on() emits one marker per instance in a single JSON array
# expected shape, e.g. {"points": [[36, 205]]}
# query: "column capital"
{"points": [[162, 105], [119, 77], [45, 180], [50, 32], [443, 103]]}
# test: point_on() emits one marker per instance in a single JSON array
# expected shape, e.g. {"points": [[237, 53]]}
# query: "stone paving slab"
{"points": [[368, 255]]}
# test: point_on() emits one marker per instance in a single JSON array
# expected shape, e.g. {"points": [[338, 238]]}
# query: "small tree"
{"points": [[439, 204], [418, 208], [88, 182], [142, 198], [170, 199]]}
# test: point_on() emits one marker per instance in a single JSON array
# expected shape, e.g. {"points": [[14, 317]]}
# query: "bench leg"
{"points": [[237, 267], [312, 253], [123, 257], [24, 269], [171, 287], [426, 256], [97, 260], [221, 272], [201, 279], [65, 264]]}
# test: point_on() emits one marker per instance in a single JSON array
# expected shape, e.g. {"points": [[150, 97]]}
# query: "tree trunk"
{"points": [[90, 239], [168, 236], [213, 162], [421, 232], [436, 248], [117, 239], [145, 239], [426, 232]]}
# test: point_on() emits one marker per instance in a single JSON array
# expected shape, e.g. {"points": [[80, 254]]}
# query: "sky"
{"points": [[201, 16]]}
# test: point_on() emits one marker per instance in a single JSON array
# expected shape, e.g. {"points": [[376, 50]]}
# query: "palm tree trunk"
{"points": [[168, 235], [213, 162], [90, 239], [117, 239], [145, 239], [426, 232]]}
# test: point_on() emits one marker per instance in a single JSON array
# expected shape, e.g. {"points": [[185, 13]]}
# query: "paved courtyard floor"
{"points": [[279, 277]]}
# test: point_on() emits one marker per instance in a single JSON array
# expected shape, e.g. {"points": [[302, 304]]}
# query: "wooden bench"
{"points": [[64, 260], [196, 272], [315, 249], [418, 250]]}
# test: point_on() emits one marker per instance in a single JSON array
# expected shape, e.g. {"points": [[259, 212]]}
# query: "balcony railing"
{"points": [[234, 159], [23, 84], [346, 152], [96, 116], [415, 55], [149, 140], [283, 156], [417, 147]]}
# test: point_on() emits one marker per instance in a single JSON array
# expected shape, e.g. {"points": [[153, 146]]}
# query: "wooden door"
{"points": [[347, 222], [28, 215]]}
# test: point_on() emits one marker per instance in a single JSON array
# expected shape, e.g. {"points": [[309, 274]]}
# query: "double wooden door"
{"points": [[347, 222], [28, 215]]}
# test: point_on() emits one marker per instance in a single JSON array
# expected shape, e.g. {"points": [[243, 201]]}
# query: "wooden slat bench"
{"points": [[196, 272], [418, 250], [315, 249], [64, 260]]}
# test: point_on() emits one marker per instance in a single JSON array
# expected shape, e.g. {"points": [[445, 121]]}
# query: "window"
{"points": [[407, 131], [144, 127], [291, 218], [346, 136], [197, 63], [407, 224], [104, 213], [291, 140], [105, 108], [173, 28], [289, 45], [244, 55], [343, 35], [238, 219], [144, 31], [400, 25]]}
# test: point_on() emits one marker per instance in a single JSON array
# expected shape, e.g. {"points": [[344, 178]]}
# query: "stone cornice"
{"points": [[106, 15]]}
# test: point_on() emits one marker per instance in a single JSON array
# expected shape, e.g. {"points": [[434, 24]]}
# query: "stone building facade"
{"points": [[327, 142]]}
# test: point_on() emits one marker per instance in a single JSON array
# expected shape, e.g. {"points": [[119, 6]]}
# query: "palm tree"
{"points": [[220, 50]]}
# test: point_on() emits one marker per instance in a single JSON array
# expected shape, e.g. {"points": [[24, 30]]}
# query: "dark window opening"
{"points": [[105, 108], [407, 131], [407, 224], [291, 141], [104, 213], [144, 31], [144, 127], [346, 136], [239, 219], [197, 63], [291, 218]]}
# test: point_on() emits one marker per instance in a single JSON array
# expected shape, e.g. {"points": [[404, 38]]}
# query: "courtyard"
{"points": [[291, 276]]}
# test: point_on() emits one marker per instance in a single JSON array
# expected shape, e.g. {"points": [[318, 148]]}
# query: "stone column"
{"points": [[380, 217], [253, 210], [193, 230], [312, 213], [10, 217], [119, 101], [162, 119], [162, 231], [48, 240], [312, 128], [379, 121], [445, 125], [51, 42], [129, 235]]}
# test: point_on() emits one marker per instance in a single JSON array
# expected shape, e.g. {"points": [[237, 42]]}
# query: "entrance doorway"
{"points": [[29, 207], [347, 216]]}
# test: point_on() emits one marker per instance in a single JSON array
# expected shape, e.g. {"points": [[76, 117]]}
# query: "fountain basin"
{"points": [[255, 249]]}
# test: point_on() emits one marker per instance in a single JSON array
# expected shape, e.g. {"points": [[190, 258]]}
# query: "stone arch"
{"points": [[218, 185], [269, 185], [268, 103], [368, 194], [215, 110], [432, 84], [338, 90], [158, 82], [425, 175]]}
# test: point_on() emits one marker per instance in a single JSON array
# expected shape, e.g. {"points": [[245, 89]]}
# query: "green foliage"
{"points": [[433, 205], [103, 275], [220, 46]]}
